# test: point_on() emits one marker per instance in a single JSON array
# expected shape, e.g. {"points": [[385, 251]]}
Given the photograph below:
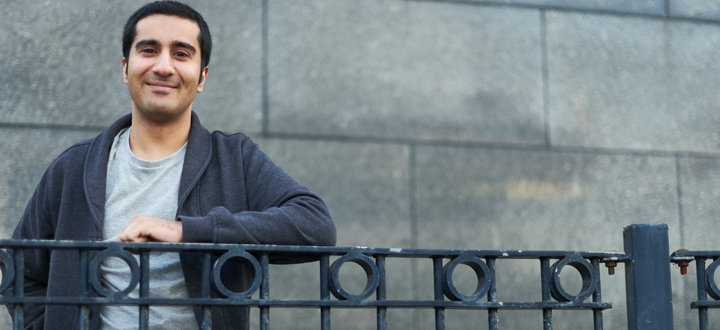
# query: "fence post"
{"points": [[647, 277]]}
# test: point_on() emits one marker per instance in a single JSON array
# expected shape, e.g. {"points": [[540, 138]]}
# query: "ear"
{"points": [[203, 76], [124, 64]]}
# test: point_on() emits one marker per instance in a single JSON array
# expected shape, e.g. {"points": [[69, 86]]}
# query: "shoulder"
{"points": [[223, 141], [72, 157], [239, 147], [75, 158], [229, 137], [65, 171]]}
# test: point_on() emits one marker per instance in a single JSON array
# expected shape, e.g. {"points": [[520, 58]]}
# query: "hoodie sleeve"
{"points": [[279, 209]]}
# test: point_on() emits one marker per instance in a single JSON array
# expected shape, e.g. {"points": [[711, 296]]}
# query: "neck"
{"points": [[153, 141]]}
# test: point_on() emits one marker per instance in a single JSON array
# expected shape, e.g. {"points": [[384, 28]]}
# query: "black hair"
{"points": [[171, 8]]}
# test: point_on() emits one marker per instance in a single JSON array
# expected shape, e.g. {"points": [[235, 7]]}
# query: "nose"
{"points": [[164, 65]]}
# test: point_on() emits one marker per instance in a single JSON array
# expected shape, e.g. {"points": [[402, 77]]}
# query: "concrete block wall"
{"points": [[535, 124]]}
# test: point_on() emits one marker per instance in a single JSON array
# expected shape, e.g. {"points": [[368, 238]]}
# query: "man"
{"points": [[158, 175]]}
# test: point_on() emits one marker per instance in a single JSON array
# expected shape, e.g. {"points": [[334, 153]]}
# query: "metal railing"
{"points": [[646, 258], [706, 285]]}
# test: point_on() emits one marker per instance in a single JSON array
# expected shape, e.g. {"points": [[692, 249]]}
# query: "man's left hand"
{"points": [[144, 228]]}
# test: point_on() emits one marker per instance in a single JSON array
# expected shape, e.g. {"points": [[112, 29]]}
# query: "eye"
{"points": [[182, 54], [147, 50]]}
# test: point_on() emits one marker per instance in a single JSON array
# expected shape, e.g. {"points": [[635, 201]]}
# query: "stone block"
{"points": [[232, 98], [650, 7], [302, 282], [535, 200], [469, 198], [695, 9], [700, 190], [691, 115], [632, 83], [405, 69], [62, 63], [366, 187]]}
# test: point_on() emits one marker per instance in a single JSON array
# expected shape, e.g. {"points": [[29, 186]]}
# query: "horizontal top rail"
{"points": [[707, 254], [320, 250]]}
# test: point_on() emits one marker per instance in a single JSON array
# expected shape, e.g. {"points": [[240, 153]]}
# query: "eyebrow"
{"points": [[175, 43]]}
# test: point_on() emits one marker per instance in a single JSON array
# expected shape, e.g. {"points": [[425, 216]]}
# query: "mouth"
{"points": [[160, 86]]}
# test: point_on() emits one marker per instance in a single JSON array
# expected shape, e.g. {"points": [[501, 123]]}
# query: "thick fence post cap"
{"points": [[647, 277]]}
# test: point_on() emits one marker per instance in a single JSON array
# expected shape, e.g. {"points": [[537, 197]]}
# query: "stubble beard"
{"points": [[155, 109]]}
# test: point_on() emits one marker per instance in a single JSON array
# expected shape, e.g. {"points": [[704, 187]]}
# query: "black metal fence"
{"points": [[706, 285], [646, 258]]}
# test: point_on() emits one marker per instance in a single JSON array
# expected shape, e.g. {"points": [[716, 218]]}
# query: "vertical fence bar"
{"points": [[545, 279], [492, 295], [83, 284], [325, 291], [702, 293], [265, 291], [647, 277], [381, 294], [144, 289], [18, 313], [438, 278], [206, 318], [597, 297]]}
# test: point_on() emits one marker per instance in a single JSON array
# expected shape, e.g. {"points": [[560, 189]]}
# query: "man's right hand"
{"points": [[145, 228]]}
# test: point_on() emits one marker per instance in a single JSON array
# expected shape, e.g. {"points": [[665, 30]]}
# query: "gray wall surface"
{"points": [[506, 124]]}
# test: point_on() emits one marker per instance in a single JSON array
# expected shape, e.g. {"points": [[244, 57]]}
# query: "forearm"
{"points": [[303, 221]]}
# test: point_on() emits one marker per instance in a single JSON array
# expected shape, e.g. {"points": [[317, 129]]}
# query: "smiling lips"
{"points": [[163, 86]]}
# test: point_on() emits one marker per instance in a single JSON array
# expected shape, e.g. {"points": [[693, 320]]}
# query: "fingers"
{"points": [[144, 228], [135, 230]]}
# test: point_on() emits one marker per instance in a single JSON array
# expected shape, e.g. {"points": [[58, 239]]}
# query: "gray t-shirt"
{"points": [[136, 186]]}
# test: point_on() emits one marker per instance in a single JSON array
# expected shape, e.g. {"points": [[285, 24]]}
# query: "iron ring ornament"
{"points": [[482, 272], [367, 264], [8, 272], [710, 287], [587, 272], [247, 258], [115, 250]]}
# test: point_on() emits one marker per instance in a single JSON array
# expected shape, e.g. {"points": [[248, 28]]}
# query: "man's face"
{"points": [[163, 67]]}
